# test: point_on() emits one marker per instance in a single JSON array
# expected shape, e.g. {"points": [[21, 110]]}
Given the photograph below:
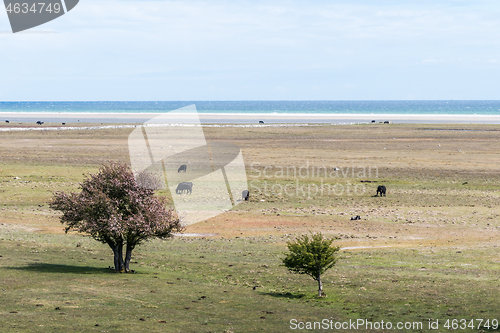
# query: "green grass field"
{"points": [[61, 283], [430, 250]]}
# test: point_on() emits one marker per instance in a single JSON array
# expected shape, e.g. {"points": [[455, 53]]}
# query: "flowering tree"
{"points": [[114, 209], [312, 256]]}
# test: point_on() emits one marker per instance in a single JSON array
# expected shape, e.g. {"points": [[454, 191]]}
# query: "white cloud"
{"points": [[243, 49]]}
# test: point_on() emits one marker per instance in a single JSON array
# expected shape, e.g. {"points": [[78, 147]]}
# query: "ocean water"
{"points": [[267, 107]]}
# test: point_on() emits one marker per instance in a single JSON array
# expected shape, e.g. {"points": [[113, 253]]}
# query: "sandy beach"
{"points": [[236, 118]]}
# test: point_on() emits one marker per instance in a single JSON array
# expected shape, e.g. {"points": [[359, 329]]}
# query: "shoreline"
{"points": [[238, 118]]}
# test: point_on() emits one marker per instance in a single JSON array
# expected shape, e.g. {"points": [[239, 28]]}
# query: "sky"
{"points": [[135, 50]]}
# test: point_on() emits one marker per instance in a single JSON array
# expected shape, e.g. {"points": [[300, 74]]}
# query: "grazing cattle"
{"points": [[387, 122], [261, 122], [40, 122], [357, 217], [373, 121], [64, 123], [185, 186], [182, 168], [245, 195], [7, 121], [381, 190]]}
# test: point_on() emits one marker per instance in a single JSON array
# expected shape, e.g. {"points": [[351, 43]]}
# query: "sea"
{"points": [[441, 107], [255, 112]]}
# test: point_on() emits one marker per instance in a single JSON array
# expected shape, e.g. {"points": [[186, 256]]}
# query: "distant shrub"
{"points": [[312, 256]]}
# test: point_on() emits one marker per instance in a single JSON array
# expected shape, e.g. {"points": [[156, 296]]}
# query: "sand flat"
{"points": [[53, 117]]}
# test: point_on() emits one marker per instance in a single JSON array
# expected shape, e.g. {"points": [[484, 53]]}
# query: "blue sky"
{"points": [[256, 50]]}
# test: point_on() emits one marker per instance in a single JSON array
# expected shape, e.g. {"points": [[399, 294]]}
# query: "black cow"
{"points": [[40, 122], [182, 168], [7, 121], [185, 186], [261, 122], [64, 123], [245, 195], [381, 189], [357, 217]]}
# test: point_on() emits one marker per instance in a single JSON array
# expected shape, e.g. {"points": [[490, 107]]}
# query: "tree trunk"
{"points": [[128, 256], [118, 257], [320, 286]]}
